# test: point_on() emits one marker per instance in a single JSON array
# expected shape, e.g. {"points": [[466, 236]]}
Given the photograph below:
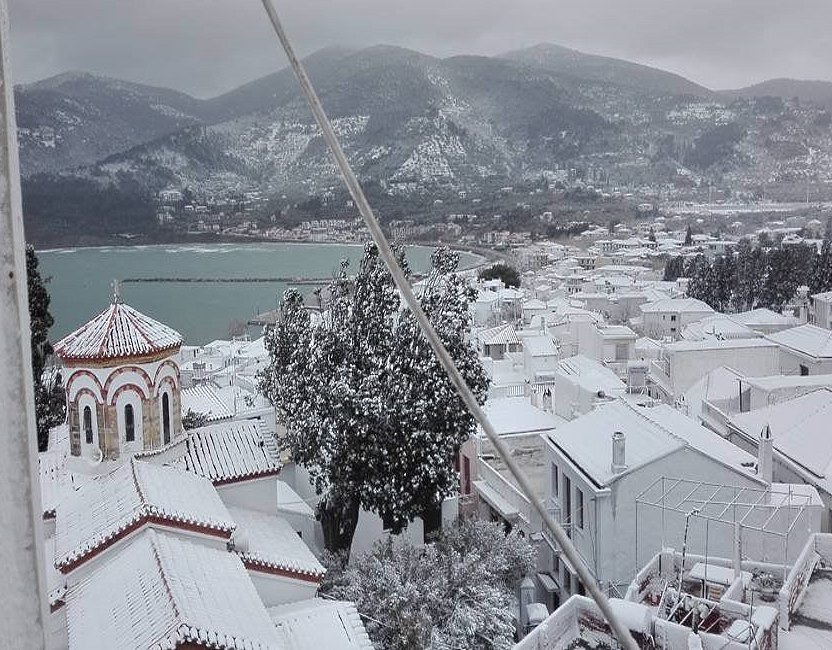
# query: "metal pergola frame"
{"points": [[712, 502]]}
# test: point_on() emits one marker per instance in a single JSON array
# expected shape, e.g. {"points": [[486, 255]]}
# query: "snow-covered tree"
{"points": [[50, 401], [368, 409], [458, 592]]}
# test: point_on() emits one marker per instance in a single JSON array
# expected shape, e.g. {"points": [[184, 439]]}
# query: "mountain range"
{"points": [[416, 123]]}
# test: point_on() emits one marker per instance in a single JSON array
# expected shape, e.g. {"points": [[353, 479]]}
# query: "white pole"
{"points": [[565, 543], [22, 579]]}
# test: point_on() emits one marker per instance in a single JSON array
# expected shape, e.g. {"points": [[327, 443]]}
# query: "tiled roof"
{"points": [[500, 335], [203, 398], [272, 543], [231, 451], [118, 332], [162, 591], [111, 506], [316, 624]]}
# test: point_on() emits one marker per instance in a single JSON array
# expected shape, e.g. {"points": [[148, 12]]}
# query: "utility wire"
{"points": [[621, 632]]}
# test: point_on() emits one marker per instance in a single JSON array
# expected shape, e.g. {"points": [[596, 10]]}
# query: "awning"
{"points": [[548, 582], [496, 501]]}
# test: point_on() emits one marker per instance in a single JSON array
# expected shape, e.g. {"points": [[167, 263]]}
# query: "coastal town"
{"points": [[466, 347], [682, 449]]}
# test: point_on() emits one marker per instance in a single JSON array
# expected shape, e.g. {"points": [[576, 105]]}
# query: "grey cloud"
{"points": [[207, 46]]}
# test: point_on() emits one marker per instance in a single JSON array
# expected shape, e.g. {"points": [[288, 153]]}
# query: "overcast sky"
{"points": [[205, 47]]}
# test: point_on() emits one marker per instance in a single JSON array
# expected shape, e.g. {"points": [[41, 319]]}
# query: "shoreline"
{"points": [[482, 256]]}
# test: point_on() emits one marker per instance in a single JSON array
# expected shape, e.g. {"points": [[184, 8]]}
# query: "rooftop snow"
{"points": [[761, 317], [540, 346], [811, 340], [203, 398], [651, 433], [500, 335], [273, 543], [230, 451], [512, 415], [110, 506], [161, 591], [799, 427], [591, 375], [118, 332], [318, 624], [677, 305], [715, 344]]}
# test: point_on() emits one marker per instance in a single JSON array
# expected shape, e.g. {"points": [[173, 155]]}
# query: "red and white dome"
{"points": [[116, 333]]}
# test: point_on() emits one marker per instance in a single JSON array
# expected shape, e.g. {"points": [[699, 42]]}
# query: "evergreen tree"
{"points": [[50, 401], [689, 236], [367, 407], [723, 273], [821, 273], [674, 269], [750, 276], [508, 274]]}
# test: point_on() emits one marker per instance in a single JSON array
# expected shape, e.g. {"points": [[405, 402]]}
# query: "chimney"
{"points": [[765, 455], [619, 463]]}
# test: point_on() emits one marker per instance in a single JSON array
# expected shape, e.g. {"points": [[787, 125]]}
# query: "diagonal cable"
{"points": [[621, 632]]}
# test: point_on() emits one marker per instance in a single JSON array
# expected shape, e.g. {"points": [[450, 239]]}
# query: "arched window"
{"points": [[165, 418], [88, 425], [129, 423]]}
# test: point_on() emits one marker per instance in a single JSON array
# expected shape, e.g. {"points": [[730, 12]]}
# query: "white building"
{"points": [[681, 364], [666, 318], [822, 308], [800, 428], [805, 350], [603, 463]]}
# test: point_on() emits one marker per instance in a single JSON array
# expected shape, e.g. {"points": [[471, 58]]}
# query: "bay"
{"points": [[81, 281]]}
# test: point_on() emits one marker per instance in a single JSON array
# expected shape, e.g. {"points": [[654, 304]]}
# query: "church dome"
{"points": [[118, 332]]}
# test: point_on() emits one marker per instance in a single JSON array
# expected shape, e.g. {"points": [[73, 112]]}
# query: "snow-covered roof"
{"points": [[718, 326], [118, 332], [53, 478], [799, 427], [763, 317], [108, 507], [271, 543], [318, 624], [591, 375], [811, 340], [500, 335], [203, 398], [677, 305], [776, 382], [650, 434], [161, 591], [230, 452], [540, 346], [512, 415], [716, 344]]}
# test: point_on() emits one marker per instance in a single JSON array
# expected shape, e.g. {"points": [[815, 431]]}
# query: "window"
{"points": [[622, 351], [579, 497], [129, 423], [555, 480], [166, 418], [88, 425], [804, 370], [466, 475], [672, 318], [567, 504]]}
